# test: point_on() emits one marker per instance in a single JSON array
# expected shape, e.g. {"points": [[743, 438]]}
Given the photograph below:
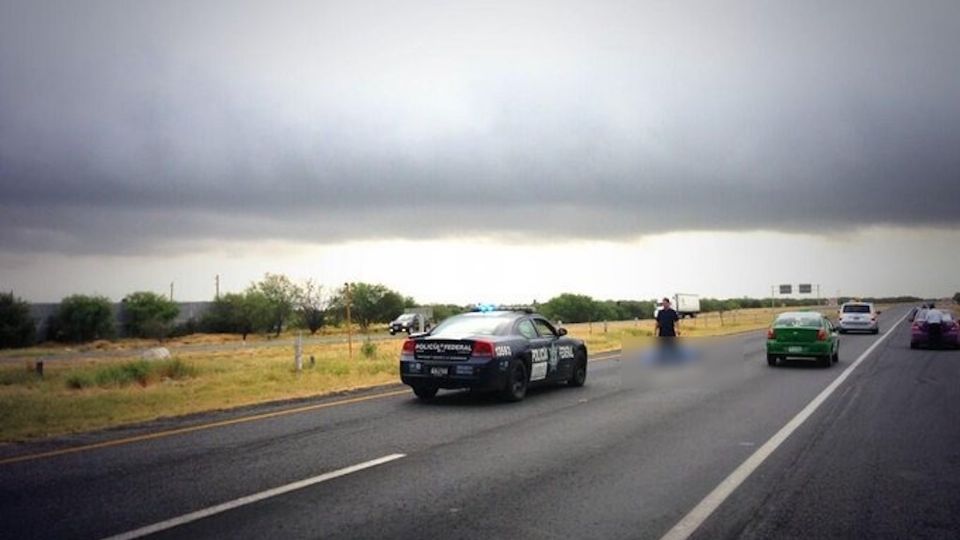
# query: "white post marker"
{"points": [[298, 352], [695, 518], [250, 499]]}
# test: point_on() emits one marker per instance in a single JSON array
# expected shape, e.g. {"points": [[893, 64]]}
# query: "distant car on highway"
{"points": [[409, 323], [501, 350], [858, 316], [934, 328], [803, 334]]}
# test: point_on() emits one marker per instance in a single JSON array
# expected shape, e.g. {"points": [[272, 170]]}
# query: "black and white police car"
{"points": [[505, 350]]}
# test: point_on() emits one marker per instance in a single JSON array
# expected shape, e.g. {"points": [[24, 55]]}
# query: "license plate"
{"points": [[794, 349], [438, 371]]}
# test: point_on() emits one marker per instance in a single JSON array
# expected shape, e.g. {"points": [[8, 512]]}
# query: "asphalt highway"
{"points": [[627, 456]]}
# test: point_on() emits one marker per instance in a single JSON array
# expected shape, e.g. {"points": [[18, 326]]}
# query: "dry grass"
{"points": [[131, 344], [31, 407]]}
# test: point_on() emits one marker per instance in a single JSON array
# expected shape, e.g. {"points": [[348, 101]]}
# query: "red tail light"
{"points": [[769, 333], [821, 335], [916, 326], [482, 348], [409, 346]]}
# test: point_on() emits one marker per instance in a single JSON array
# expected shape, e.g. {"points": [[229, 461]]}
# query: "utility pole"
{"points": [[346, 287], [771, 296], [171, 291], [217, 281]]}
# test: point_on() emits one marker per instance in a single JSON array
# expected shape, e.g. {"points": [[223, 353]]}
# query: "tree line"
{"points": [[276, 303], [268, 306]]}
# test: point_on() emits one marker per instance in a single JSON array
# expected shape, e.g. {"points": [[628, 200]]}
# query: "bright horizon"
{"points": [[721, 265]]}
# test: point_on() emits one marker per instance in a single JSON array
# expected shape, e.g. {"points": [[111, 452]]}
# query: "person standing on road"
{"points": [[667, 327]]}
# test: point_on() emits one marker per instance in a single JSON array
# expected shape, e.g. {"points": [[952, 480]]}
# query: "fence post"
{"points": [[298, 352], [349, 325]]}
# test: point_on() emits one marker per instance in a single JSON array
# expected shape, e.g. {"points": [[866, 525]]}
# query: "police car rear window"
{"points": [[472, 326]]}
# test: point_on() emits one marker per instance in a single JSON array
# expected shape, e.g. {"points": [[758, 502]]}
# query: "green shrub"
{"points": [[238, 313], [148, 315], [368, 349], [78, 381], [173, 368], [16, 326], [84, 318], [123, 374], [186, 328], [139, 371]]}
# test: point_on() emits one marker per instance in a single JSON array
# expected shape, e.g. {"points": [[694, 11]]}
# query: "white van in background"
{"points": [[686, 305], [858, 316]]}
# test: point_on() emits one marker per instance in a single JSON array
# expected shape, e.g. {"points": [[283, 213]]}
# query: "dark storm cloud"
{"points": [[133, 127]]}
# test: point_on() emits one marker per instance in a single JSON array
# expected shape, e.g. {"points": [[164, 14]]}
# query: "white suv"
{"points": [[859, 316]]}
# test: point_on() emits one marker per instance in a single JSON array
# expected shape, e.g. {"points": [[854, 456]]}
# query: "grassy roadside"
{"points": [[93, 393], [31, 407], [132, 344]]}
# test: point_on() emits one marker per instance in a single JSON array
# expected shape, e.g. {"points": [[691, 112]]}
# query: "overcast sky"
{"points": [[454, 149]]}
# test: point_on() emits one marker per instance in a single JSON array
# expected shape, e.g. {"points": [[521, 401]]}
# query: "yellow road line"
{"points": [[200, 427]]}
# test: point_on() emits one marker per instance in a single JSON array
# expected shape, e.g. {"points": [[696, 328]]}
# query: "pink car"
{"points": [[934, 328]]}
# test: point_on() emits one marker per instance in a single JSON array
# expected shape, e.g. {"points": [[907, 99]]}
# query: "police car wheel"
{"points": [[579, 376], [425, 392], [516, 387]]}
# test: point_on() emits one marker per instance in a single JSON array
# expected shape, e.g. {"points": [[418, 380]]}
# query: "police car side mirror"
{"points": [[561, 331]]}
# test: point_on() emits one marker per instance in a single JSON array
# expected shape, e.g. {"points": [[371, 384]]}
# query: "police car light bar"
{"points": [[484, 308]]}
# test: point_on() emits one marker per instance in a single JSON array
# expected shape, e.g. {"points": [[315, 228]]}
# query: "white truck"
{"points": [[686, 305]]}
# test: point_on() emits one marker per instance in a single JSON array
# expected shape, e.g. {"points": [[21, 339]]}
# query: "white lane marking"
{"points": [[249, 499], [692, 521]]}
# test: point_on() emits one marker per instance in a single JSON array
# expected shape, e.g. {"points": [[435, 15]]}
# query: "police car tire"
{"points": [[425, 392], [579, 376], [516, 387]]}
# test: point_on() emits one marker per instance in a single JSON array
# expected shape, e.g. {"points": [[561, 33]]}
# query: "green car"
{"points": [[803, 334]]}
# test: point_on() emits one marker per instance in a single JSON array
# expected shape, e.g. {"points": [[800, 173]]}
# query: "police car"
{"points": [[504, 350]]}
